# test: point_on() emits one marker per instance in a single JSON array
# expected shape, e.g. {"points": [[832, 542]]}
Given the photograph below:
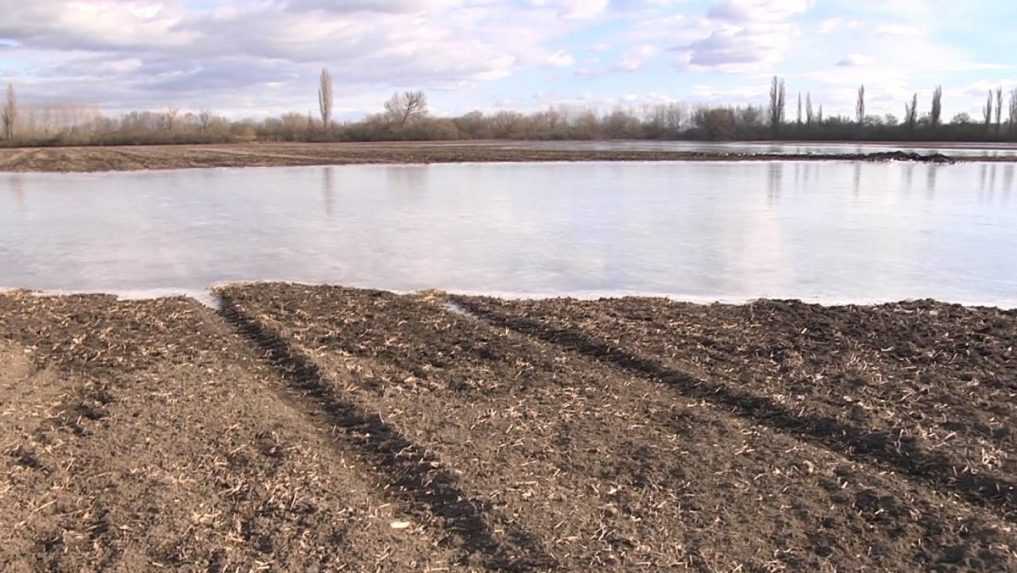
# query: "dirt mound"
{"points": [[908, 156]]}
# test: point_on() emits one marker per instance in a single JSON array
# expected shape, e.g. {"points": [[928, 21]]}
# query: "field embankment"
{"points": [[135, 158], [328, 427]]}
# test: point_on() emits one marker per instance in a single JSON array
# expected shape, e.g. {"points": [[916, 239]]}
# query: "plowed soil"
{"points": [[923, 388], [325, 429], [607, 465], [141, 436], [132, 158]]}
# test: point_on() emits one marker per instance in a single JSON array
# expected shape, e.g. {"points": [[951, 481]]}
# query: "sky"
{"points": [[263, 57]]}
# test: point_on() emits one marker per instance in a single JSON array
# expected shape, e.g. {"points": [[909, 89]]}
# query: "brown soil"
{"points": [[140, 436], [584, 452], [325, 429], [131, 158], [924, 389]]}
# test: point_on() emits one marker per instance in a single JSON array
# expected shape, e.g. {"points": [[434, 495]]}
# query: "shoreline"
{"points": [[209, 298], [159, 157]]}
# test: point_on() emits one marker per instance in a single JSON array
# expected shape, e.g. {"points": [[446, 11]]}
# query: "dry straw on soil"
{"points": [[322, 428]]}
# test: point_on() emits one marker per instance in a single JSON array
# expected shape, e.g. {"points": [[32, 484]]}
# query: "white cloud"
{"points": [[561, 59], [898, 30], [742, 34], [382, 6], [582, 9], [898, 51], [745, 94], [831, 25], [636, 57], [854, 60], [264, 55], [148, 52], [94, 25], [574, 9], [749, 12]]}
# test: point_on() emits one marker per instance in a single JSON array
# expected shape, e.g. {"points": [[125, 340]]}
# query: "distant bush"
{"points": [[407, 118]]}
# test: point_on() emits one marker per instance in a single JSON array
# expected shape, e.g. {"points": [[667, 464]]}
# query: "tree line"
{"points": [[915, 125], [406, 117]]}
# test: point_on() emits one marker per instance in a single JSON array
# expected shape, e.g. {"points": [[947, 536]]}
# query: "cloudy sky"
{"points": [[257, 57]]}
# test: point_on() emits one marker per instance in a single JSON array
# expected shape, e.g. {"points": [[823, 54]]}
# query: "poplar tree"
{"points": [[935, 116], [9, 113], [325, 98]]}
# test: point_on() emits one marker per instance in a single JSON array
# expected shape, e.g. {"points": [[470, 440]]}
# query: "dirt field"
{"points": [[85, 159], [922, 388], [322, 429], [140, 436], [610, 466]]}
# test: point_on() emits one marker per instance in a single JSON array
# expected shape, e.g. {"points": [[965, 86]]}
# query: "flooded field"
{"points": [[323, 428], [956, 150], [831, 231], [148, 157]]}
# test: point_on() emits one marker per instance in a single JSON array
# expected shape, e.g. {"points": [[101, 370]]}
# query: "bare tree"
{"points": [[772, 110], [406, 107], [860, 106], [799, 108], [204, 119], [777, 104], [987, 112], [664, 119], [999, 110], [9, 113], [936, 114], [819, 115], [782, 103], [674, 117], [171, 118], [325, 98], [911, 112], [1013, 111], [809, 115]]}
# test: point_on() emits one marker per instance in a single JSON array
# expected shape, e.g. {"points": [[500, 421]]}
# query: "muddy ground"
{"points": [[321, 429], [131, 158]]}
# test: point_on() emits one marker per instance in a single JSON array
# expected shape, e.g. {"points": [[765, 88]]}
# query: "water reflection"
{"points": [[999, 150], [1008, 182], [17, 187], [931, 173], [328, 189], [776, 181], [989, 189], [829, 231], [407, 178]]}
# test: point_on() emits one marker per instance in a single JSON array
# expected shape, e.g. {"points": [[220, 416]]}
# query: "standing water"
{"points": [[820, 231]]}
